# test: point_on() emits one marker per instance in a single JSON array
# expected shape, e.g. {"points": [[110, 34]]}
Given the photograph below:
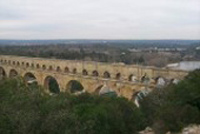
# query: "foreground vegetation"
{"points": [[27, 110], [174, 107]]}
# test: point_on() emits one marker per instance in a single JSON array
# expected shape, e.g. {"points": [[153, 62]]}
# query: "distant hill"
{"points": [[108, 42]]}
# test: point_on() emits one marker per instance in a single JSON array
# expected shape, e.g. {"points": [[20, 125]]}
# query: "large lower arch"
{"points": [[13, 73], [160, 81], [104, 90], [174, 81], [139, 95], [74, 86], [51, 84], [30, 79], [2, 73], [97, 90]]}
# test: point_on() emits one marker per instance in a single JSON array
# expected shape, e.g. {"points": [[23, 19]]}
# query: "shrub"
{"points": [[25, 110], [174, 107]]}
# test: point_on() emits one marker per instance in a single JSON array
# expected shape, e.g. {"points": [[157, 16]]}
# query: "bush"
{"points": [[174, 107], [25, 110]]}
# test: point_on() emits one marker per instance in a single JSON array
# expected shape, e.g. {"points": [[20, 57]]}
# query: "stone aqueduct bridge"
{"points": [[92, 75]]}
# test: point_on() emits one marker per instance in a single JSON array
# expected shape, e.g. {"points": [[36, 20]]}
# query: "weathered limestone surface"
{"points": [[115, 76], [191, 129]]}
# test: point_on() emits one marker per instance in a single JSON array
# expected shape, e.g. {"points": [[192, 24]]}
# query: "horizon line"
{"points": [[97, 39]]}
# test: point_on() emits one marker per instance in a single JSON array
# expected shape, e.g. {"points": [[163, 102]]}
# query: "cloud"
{"points": [[104, 19]]}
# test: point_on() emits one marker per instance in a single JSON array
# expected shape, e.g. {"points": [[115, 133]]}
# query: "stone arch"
{"points": [[27, 64], [138, 96], [2, 73], [95, 73], [118, 76], [84, 72], [160, 81], [30, 79], [44, 67], [50, 68], [18, 63], [97, 90], [66, 70], [106, 74], [51, 84], [135, 98], [132, 78], [13, 73], [174, 81], [58, 69], [74, 86], [32, 65], [105, 90], [74, 71], [134, 95], [38, 66], [145, 78]]}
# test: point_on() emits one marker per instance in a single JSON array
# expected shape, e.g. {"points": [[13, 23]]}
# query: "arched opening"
{"points": [[13, 62], [118, 76], [18, 64], [106, 75], [138, 96], [30, 79], [9, 62], [2, 73], [43, 67], [13, 73], [160, 81], [58, 69], [84, 72], [145, 78], [174, 81], [37, 66], [22, 63], [132, 78], [27, 64], [95, 73], [32, 65], [97, 90], [5, 61], [51, 84], [74, 71], [104, 90], [50, 68], [66, 70], [74, 86]]}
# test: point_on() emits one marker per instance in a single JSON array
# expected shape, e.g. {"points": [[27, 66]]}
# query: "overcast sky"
{"points": [[99, 19]]}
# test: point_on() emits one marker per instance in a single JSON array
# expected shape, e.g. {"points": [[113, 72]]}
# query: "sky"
{"points": [[99, 19]]}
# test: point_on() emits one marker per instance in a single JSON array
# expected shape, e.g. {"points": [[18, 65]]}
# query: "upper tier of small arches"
{"points": [[66, 69]]}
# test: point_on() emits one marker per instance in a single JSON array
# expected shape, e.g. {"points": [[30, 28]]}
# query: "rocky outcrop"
{"points": [[192, 129]]}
